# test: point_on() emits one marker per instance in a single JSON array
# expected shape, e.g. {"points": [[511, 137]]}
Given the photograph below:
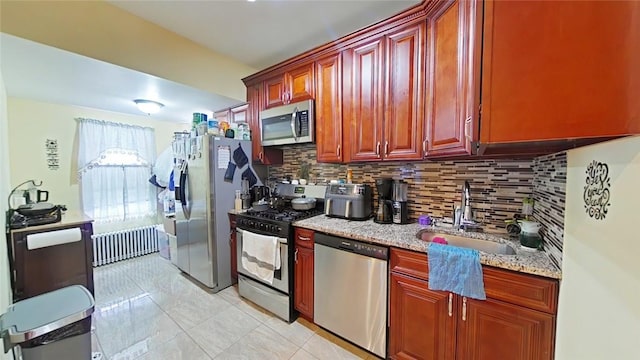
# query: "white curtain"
{"points": [[114, 165]]}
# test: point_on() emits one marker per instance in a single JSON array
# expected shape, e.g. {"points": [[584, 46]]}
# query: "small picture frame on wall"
{"points": [[51, 151]]}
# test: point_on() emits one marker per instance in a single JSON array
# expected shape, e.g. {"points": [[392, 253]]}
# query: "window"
{"points": [[114, 162]]}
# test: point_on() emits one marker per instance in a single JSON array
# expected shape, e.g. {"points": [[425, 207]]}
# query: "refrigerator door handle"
{"points": [[184, 199]]}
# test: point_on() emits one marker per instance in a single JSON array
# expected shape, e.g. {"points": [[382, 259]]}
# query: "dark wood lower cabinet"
{"points": [[303, 289], [496, 330], [419, 323], [427, 324], [40, 270]]}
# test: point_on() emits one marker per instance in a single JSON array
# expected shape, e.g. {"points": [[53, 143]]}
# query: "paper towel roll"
{"points": [[52, 238]]}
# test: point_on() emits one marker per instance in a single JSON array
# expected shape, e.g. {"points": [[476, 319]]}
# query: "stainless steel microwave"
{"points": [[287, 124]]}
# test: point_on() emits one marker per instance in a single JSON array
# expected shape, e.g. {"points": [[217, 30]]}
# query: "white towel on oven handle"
{"points": [[260, 255]]}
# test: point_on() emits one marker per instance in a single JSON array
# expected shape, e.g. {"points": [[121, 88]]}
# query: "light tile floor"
{"points": [[146, 309]]}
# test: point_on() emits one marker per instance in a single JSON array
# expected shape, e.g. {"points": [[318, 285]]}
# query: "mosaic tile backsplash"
{"points": [[497, 186], [549, 192]]}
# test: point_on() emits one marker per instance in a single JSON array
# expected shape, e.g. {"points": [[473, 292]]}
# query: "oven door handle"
{"points": [[280, 240]]}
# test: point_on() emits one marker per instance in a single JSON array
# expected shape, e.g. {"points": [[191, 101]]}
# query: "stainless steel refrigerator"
{"points": [[208, 172]]}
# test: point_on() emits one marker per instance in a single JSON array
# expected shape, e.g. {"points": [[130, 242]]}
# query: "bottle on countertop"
{"points": [[238, 201], [349, 176]]}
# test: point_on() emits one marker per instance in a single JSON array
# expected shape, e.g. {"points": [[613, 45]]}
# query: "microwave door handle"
{"points": [[293, 123]]}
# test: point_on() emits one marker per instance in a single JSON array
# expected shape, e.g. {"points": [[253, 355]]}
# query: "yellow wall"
{"points": [[32, 122], [599, 305], [5, 285], [102, 31]]}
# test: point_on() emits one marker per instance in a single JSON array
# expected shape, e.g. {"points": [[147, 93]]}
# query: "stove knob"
{"points": [[262, 226], [278, 229]]}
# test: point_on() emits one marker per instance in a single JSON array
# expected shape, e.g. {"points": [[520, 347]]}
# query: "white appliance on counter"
{"points": [[598, 308], [208, 176]]}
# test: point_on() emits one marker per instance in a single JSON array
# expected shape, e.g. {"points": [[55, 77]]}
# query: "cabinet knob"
{"points": [[467, 128], [386, 148], [295, 256], [338, 150], [378, 148], [450, 304], [260, 156], [425, 142]]}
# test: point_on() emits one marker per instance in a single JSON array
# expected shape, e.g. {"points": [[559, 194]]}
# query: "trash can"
{"points": [[54, 325]]}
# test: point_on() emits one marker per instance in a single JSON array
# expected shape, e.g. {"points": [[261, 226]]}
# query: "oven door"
{"points": [[280, 276]]}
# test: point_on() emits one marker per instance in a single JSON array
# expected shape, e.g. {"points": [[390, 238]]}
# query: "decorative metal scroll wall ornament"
{"points": [[596, 190], [53, 159]]}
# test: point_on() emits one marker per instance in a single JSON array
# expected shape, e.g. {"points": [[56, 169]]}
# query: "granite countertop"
{"points": [[68, 218], [404, 236]]}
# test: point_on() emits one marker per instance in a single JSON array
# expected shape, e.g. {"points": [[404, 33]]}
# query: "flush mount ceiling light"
{"points": [[148, 106]]}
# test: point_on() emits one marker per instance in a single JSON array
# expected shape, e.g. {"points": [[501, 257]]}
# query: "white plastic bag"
{"points": [[163, 167]]}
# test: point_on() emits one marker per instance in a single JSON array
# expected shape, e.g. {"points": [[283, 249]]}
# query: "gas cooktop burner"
{"points": [[284, 215]]}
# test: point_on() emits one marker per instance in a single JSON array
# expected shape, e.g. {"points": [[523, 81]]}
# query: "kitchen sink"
{"points": [[490, 247]]}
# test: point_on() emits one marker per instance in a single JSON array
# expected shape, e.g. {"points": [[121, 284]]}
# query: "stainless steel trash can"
{"points": [[54, 325]]}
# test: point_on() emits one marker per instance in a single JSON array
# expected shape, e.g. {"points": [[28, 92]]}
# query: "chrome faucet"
{"points": [[462, 215]]}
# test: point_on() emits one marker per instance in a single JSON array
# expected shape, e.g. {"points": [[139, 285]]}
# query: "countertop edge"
{"points": [[484, 259], [67, 220]]}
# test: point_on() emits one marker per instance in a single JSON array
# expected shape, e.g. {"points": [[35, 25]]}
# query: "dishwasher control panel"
{"points": [[357, 247]]}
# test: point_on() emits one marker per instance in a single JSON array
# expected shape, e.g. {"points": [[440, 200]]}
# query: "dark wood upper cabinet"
{"points": [[404, 99], [274, 91], [259, 154], [363, 100], [383, 101], [560, 70], [453, 62], [328, 109], [300, 83], [492, 330], [294, 85]]}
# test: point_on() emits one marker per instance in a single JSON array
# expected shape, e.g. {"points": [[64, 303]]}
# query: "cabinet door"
{"points": [[452, 110], [363, 100], [300, 84], [274, 90], [221, 116], [421, 321], [303, 289], [260, 155], [404, 99], [254, 99], [492, 330], [328, 109], [560, 70], [238, 114]]}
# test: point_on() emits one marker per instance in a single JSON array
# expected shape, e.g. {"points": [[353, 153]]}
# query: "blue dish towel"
{"points": [[456, 269]]}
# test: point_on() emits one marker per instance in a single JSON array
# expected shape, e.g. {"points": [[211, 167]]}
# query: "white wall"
{"points": [[599, 306], [32, 122], [5, 285]]}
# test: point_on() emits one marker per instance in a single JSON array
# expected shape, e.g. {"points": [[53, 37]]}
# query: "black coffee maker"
{"points": [[384, 215]]}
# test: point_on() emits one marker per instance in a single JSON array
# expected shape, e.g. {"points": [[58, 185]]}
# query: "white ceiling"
{"points": [[258, 34], [40, 72], [264, 32]]}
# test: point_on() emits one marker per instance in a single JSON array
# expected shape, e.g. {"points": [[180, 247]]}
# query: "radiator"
{"points": [[124, 244]]}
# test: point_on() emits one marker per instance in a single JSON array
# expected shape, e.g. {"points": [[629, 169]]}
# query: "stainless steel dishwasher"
{"points": [[350, 291]]}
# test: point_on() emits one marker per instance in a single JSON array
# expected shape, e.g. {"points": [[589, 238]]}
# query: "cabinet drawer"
{"points": [[530, 291], [304, 237], [409, 263], [525, 290]]}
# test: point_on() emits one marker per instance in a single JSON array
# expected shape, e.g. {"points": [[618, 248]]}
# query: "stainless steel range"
{"points": [[276, 296]]}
